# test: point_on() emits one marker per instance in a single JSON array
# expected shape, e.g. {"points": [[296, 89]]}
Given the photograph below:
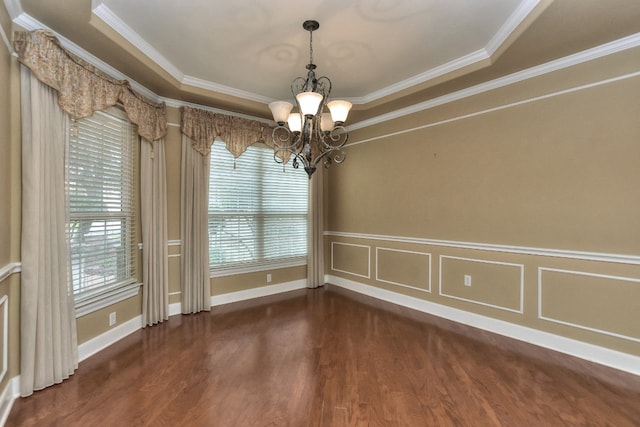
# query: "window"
{"points": [[100, 186], [257, 212]]}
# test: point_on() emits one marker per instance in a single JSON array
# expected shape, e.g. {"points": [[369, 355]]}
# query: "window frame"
{"points": [[261, 264], [106, 295]]}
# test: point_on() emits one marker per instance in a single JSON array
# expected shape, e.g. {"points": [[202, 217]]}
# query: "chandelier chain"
{"points": [[310, 47]]}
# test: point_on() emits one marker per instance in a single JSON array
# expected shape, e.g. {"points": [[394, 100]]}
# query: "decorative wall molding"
{"points": [[520, 310], [604, 356], [9, 269], [10, 393], [404, 285], [575, 325], [94, 345], [555, 253], [368, 276], [4, 302]]}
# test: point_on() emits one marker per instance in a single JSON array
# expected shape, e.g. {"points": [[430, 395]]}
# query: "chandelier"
{"points": [[311, 135]]}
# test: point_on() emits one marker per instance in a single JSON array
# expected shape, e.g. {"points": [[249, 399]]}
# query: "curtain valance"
{"points": [[238, 133], [84, 89]]}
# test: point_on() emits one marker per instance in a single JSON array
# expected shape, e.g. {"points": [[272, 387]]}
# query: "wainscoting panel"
{"points": [[404, 268], [489, 283], [595, 302], [351, 259]]}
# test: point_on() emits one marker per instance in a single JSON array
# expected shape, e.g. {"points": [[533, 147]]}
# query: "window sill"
{"points": [[106, 299], [254, 268]]}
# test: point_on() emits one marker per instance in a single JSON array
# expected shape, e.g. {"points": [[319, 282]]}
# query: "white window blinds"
{"points": [[257, 212], [100, 188]]}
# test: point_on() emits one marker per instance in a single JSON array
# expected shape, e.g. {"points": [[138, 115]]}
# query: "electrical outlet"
{"points": [[112, 318], [268, 278], [467, 280]]}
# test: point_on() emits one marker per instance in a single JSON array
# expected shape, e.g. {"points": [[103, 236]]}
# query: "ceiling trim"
{"points": [[111, 19], [486, 53], [102, 11], [31, 24], [441, 70], [175, 103], [227, 90], [517, 17], [606, 49]]}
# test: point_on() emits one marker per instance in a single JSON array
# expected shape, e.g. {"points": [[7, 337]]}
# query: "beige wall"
{"points": [[9, 205], [523, 166]]}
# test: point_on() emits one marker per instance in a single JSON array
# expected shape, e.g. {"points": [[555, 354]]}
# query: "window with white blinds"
{"points": [[257, 211], [100, 186]]}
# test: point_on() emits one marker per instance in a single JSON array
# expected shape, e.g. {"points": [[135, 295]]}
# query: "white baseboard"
{"points": [[262, 291], [94, 345], [175, 308], [10, 393], [601, 355]]}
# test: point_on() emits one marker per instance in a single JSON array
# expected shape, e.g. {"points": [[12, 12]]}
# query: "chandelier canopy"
{"points": [[311, 135]]}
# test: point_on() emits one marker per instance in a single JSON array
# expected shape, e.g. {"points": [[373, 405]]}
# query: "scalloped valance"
{"points": [[84, 89], [238, 133]]}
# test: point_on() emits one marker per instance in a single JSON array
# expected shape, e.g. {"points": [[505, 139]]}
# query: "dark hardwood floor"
{"points": [[329, 357]]}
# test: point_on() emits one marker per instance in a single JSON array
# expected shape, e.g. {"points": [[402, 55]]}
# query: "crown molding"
{"points": [[611, 48], [103, 12], [517, 17], [227, 90], [175, 103], [14, 8], [31, 24]]}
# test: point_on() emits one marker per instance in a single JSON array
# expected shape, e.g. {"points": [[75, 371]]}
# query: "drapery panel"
{"points": [[82, 88], [194, 232], [48, 338], [153, 212], [238, 133], [315, 231]]}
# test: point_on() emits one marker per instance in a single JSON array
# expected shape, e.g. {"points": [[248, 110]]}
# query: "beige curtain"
{"points": [[315, 230], [153, 210], [83, 89], [48, 340], [194, 233]]}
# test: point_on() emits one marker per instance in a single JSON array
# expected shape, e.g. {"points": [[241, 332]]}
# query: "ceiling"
{"points": [[380, 54]]}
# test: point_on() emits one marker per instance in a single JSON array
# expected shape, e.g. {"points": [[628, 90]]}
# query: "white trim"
{"points": [[102, 341], [575, 325], [14, 8], [107, 299], [175, 308], [255, 268], [511, 24], [174, 255], [227, 90], [175, 293], [601, 355], [6, 41], [555, 253], [173, 242], [4, 301], [404, 285], [433, 73], [175, 103], [102, 11], [262, 291], [556, 65], [9, 269], [9, 395], [368, 276], [32, 24], [513, 310]]}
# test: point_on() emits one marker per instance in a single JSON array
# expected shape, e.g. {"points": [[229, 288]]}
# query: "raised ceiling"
{"points": [[380, 54]]}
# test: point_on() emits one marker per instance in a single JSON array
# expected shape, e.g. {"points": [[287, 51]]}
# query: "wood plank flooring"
{"points": [[329, 357]]}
